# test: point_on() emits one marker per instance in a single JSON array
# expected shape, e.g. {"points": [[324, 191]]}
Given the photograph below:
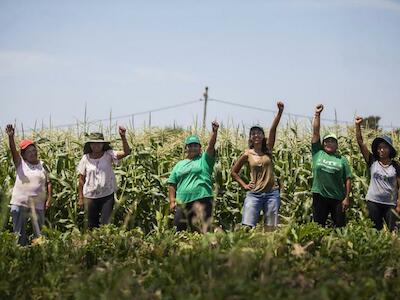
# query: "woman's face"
{"points": [[383, 150], [330, 145], [256, 136], [193, 150], [30, 154], [96, 147]]}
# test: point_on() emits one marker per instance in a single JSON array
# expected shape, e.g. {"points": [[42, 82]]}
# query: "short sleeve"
{"points": [[315, 147], [46, 171], [396, 167], [347, 170], [210, 160], [113, 156], [81, 168], [172, 179]]}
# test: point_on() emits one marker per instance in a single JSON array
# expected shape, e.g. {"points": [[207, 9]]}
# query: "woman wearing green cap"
{"points": [[263, 189], [331, 177], [97, 182], [383, 191], [190, 185]]}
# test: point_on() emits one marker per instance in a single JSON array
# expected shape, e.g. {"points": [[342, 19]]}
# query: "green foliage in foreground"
{"points": [[294, 262]]}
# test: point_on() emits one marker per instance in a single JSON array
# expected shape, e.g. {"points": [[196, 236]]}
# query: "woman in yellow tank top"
{"points": [[263, 191]]}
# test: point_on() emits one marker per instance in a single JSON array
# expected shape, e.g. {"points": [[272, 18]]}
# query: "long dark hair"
{"points": [[264, 146]]}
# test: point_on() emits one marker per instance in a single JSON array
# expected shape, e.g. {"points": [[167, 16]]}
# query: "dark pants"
{"points": [[379, 212], [196, 215], [99, 210], [323, 206]]}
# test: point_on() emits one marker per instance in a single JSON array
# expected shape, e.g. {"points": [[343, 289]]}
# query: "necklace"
{"points": [[257, 158], [384, 165]]}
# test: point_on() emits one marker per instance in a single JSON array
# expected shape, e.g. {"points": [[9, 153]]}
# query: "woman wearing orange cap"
{"points": [[32, 189]]}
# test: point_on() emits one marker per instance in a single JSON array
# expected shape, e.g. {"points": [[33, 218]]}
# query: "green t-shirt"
{"points": [[192, 178], [329, 172]]}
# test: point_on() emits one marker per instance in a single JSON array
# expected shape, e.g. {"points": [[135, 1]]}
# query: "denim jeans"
{"points": [[20, 215], [268, 202]]}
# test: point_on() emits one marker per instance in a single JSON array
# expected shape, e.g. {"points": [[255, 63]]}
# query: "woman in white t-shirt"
{"points": [[31, 194], [383, 192], [97, 182]]}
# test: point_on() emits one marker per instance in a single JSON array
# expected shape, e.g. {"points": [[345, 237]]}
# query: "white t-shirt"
{"points": [[383, 185], [30, 186], [100, 179]]}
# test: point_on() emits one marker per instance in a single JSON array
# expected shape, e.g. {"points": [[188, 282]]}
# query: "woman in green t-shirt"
{"points": [[190, 185], [331, 177]]}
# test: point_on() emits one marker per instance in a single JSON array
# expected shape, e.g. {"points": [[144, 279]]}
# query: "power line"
{"points": [[274, 111], [231, 103], [130, 115], [290, 114], [147, 111]]}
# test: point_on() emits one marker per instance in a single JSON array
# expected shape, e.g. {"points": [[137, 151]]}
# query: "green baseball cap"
{"points": [[329, 135], [192, 139]]}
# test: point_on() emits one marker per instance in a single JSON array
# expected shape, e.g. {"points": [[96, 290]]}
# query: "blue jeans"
{"points": [[268, 202], [20, 215]]}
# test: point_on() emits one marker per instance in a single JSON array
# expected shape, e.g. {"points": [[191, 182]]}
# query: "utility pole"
{"points": [[149, 119], [205, 108], [336, 124]]}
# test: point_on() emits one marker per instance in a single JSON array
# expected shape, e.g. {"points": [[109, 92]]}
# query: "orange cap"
{"points": [[25, 143]]}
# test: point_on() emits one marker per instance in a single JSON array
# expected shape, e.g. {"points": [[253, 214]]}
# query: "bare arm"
{"points": [[14, 153], [49, 194], [316, 124], [398, 195], [363, 148], [81, 183], [275, 123], [346, 201], [172, 197], [213, 139], [236, 169], [125, 146]]}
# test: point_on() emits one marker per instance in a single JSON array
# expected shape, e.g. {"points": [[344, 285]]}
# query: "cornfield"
{"points": [[139, 255]]}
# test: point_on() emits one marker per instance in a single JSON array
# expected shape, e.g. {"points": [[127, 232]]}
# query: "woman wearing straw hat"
{"points": [[97, 182], [263, 189], [190, 185], [331, 176], [383, 192], [31, 194]]}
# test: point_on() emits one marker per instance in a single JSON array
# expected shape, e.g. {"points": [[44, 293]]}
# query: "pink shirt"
{"points": [[30, 186]]}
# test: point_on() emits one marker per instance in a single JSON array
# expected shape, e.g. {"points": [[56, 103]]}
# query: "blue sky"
{"points": [[133, 56]]}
